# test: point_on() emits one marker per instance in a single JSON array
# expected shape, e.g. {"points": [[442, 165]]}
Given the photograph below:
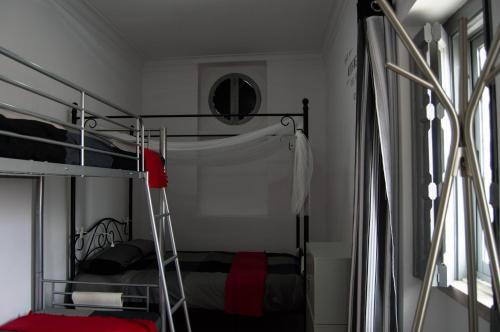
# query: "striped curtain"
{"points": [[373, 288]]}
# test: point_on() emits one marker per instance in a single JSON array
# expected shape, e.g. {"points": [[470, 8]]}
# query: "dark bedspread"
{"points": [[204, 276], [18, 148]]}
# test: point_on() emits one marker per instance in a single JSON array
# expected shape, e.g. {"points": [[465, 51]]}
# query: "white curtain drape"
{"points": [[302, 171], [240, 149]]}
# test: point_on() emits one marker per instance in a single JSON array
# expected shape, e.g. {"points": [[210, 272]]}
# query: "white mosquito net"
{"points": [[255, 145]]}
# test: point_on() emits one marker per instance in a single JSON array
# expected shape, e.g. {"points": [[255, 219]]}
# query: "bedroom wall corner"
{"points": [[340, 59], [172, 86]]}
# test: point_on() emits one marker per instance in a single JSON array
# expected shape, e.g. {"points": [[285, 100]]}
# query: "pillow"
{"points": [[14, 115], [114, 260], [146, 246]]}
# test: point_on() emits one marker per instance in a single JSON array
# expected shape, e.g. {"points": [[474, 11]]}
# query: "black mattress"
{"points": [[204, 275], [18, 148]]}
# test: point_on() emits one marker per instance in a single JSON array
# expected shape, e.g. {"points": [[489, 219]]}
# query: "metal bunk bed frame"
{"points": [[286, 120], [37, 169]]}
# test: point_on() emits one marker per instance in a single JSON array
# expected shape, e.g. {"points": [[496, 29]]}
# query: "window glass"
{"points": [[235, 97]]}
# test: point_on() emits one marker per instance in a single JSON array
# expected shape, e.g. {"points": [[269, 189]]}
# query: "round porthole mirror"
{"points": [[234, 97]]}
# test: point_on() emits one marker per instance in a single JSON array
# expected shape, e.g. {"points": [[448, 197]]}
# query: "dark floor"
{"points": [[208, 321]]}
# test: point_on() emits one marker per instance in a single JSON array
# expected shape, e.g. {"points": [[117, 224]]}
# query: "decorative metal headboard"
{"points": [[103, 234]]}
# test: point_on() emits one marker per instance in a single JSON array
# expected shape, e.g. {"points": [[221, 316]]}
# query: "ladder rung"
{"points": [[177, 305], [161, 215], [169, 260]]}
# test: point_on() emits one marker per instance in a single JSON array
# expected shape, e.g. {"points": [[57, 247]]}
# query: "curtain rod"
{"points": [[151, 116]]}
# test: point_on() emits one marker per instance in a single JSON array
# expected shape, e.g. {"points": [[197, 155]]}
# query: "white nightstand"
{"points": [[328, 271]]}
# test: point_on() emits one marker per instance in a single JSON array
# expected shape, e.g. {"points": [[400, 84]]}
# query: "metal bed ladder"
{"points": [[160, 237]]}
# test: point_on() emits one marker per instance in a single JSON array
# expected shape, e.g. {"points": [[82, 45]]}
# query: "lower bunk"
{"points": [[63, 320], [125, 273], [206, 278]]}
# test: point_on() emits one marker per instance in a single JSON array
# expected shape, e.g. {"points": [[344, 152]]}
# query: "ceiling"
{"points": [[423, 11], [162, 29]]}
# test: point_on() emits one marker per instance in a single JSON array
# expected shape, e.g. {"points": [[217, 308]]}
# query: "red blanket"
{"points": [[156, 168], [60, 323], [245, 284]]}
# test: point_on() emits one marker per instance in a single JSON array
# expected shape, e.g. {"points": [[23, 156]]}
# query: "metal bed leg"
{"points": [[38, 244]]}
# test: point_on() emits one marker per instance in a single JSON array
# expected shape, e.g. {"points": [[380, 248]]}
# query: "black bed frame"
{"points": [[286, 119]]}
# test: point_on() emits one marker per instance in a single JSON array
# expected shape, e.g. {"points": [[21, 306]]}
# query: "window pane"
{"points": [[247, 98], [222, 98], [483, 142]]}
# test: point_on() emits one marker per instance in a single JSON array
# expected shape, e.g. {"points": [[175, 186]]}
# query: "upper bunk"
{"points": [[36, 144]]}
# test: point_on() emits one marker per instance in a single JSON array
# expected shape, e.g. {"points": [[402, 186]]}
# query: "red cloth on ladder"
{"points": [[245, 284], [154, 165]]}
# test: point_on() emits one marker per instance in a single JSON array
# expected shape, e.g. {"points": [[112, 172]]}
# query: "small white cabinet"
{"points": [[328, 271]]}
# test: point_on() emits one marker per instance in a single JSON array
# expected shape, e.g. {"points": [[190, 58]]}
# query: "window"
{"points": [[483, 138], [433, 134], [234, 96]]}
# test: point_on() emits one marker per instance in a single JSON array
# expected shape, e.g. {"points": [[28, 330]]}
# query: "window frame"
{"points": [[455, 271], [234, 117]]}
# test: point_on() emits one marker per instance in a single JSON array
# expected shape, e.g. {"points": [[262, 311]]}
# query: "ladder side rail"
{"points": [[177, 265], [159, 254]]}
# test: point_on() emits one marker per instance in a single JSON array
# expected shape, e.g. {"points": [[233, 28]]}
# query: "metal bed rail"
{"points": [[56, 294], [84, 113], [286, 120]]}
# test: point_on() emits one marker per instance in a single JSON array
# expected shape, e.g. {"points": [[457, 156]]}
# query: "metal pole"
{"points": [[470, 246], [177, 265], [82, 131], [468, 198], [159, 254], [142, 146], [138, 141], [451, 165], [410, 76], [39, 275], [161, 227], [472, 162]]}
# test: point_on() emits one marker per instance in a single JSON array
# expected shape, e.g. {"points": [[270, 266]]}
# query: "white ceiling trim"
{"points": [[307, 38], [270, 56], [93, 20], [288, 56]]}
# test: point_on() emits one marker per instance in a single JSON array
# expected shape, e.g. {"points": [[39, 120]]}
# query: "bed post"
{"points": [[38, 189], [305, 108], [130, 198], [161, 229], [72, 213]]}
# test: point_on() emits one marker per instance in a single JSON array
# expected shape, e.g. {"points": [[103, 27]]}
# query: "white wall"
{"points": [[173, 87], [68, 39], [15, 275], [340, 51]]}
